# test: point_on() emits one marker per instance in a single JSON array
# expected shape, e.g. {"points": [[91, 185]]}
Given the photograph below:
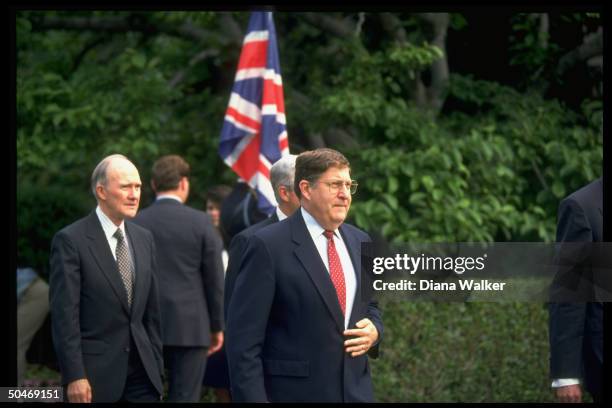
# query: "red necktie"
{"points": [[335, 270]]}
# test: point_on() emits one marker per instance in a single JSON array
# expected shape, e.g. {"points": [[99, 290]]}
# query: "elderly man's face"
{"points": [[120, 197]]}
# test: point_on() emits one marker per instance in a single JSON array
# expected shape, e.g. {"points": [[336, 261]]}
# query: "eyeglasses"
{"points": [[335, 186]]}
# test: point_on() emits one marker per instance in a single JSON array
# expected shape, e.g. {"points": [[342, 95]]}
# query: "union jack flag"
{"points": [[254, 134]]}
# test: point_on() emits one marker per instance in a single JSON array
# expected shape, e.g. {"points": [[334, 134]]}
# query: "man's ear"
{"points": [[153, 186], [100, 192], [184, 183], [283, 193], [305, 189]]}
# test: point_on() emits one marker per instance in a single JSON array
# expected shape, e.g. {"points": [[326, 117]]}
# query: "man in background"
{"points": [[576, 329], [239, 210], [282, 174], [190, 275], [281, 178], [32, 309]]}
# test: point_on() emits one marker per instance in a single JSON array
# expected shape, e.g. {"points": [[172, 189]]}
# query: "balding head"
{"points": [[282, 174], [100, 173], [116, 185]]}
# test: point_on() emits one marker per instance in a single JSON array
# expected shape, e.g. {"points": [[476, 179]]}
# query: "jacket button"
{"points": [[127, 349]]}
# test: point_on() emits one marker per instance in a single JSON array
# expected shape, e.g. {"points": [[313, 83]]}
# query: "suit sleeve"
{"points": [[236, 249], [248, 317], [375, 315], [64, 300], [152, 316], [212, 276], [567, 320]]}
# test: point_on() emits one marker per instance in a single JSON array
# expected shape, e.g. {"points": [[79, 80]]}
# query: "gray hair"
{"points": [[99, 174], [282, 173]]}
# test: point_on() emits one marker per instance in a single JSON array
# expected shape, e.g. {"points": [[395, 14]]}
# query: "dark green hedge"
{"points": [[463, 352]]}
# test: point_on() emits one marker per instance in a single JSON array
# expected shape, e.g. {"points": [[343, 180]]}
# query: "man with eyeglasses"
{"points": [[298, 326]]}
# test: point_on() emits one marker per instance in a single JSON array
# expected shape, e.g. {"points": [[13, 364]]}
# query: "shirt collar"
{"points": [[314, 228], [107, 225], [164, 196], [281, 215]]}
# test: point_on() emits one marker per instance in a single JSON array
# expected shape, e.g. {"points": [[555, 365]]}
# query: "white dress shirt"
{"points": [[320, 241], [172, 196], [224, 260], [564, 382], [281, 215]]}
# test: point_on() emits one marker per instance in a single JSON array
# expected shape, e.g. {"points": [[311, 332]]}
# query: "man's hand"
{"points": [[363, 338], [569, 393], [79, 391], [216, 342]]}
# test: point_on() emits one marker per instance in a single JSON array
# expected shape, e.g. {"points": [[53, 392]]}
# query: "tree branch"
{"points": [[439, 69], [180, 75], [88, 47], [232, 28], [132, 22], [393, 26], [340, 138], [538, 173], [333, 25], [315, 140], [591, 47], [543, 30]]}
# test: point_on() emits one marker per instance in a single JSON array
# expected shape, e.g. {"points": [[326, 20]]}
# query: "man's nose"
{"points": [[344, 192]]}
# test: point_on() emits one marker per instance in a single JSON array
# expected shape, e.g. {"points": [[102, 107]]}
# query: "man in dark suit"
{"points": [[239, 211], [282, 174], [190, 274], [298, 328], [103, 296], [576, 329]]}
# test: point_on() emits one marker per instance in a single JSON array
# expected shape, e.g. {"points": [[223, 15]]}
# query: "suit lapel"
{"points": [[309, 256], [353, 246], [103, 256], [139, 253], [599, 200]]}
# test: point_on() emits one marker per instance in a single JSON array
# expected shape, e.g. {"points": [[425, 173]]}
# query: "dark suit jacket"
{"points": [[236, 250], [284, 331], [189, 270], [576, 329], [239, 211], [91, 319]]}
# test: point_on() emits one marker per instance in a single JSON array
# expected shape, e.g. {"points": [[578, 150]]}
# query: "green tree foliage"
{"points": [[497, 175]]}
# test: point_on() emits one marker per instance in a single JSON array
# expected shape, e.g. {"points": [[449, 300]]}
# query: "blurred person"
{"points": [[32, 309], [216, 375], [190, 275], [281, 178], [282, 174], [298, 328], [239, 210], [103, 296], [214, 199], [576, 329]]}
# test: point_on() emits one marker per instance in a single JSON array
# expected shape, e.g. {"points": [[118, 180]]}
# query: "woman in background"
{"points": [[217, 374]]}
